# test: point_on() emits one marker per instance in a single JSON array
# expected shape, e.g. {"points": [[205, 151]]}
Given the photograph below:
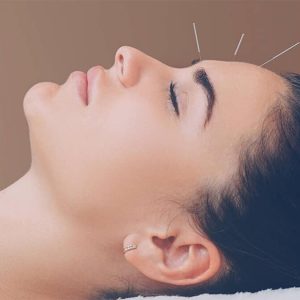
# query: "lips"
{"points": [[85, 82]]}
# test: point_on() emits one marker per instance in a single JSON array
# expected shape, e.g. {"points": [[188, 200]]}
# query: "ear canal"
{"points": [[162, 243], [175, 257]]}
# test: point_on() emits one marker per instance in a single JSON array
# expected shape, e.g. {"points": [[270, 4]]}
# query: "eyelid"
{"points": [[183, 100], [182, 97]]}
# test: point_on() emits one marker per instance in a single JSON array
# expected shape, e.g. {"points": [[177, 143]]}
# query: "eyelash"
{"points": [[173, 97]]}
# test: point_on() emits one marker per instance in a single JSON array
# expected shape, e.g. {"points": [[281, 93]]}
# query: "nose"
{"points": [[129, 63]]}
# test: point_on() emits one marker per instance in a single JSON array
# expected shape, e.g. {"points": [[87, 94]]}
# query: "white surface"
{"points": [[280, 294]]}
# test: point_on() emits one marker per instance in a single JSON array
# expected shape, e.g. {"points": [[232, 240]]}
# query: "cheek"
{"points": [[106, 157], [97, 160]]}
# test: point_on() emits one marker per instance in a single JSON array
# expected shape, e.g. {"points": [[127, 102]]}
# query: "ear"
{"points": [[181, 257]]}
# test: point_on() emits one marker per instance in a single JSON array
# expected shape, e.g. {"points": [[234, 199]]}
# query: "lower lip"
{"points": [[82, 85]]}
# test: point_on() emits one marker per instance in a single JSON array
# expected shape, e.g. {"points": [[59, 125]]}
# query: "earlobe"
{"points": [[185, 258]]}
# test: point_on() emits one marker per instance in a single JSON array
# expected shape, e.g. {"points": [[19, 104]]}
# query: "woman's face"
{"points": [[127, 147]]}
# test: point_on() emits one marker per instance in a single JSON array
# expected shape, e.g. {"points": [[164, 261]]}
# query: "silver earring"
{"points": [[129, 248]]}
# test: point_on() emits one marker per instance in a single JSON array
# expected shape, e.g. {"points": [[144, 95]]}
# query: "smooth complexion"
{"points": [[108, 172]]}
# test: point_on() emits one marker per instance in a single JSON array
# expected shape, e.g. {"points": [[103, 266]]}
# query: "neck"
{"points": [[42, 255]]}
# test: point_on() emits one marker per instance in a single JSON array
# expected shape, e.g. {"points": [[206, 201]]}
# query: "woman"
{"points": [[196, 167]]}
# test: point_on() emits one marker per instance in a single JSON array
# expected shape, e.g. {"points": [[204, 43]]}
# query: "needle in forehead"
{"points": [[195, 31], [280, 54], [238, 46]]}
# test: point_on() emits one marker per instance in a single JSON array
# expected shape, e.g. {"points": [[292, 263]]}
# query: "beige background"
{"points": [[47, 40]]}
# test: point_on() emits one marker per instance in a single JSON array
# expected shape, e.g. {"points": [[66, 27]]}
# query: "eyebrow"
{"points": [[201, 78]]}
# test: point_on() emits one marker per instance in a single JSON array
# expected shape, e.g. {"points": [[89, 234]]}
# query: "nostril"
{"points": [[121, 60]]}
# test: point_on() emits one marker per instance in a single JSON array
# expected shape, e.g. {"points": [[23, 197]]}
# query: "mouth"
{"points": [[86, 83]]}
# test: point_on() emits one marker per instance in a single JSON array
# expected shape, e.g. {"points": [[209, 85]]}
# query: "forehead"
{"points": [[244, 93], [244, 77]]}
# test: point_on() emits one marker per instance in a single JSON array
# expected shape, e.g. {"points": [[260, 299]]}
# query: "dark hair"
{"points": [[255, 219]]}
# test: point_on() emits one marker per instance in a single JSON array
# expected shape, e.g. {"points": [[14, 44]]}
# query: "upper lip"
{"points": [[90, 76], [93, 69]]}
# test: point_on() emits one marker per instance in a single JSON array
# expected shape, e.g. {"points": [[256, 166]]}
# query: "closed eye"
{"points": [[173, 98]]}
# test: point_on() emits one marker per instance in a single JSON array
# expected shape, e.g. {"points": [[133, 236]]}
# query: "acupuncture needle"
{"points": [[280, 54], [195, 31], [238, 46]]}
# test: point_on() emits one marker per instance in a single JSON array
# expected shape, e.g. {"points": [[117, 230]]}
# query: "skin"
{"points": [[104, 175]]}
